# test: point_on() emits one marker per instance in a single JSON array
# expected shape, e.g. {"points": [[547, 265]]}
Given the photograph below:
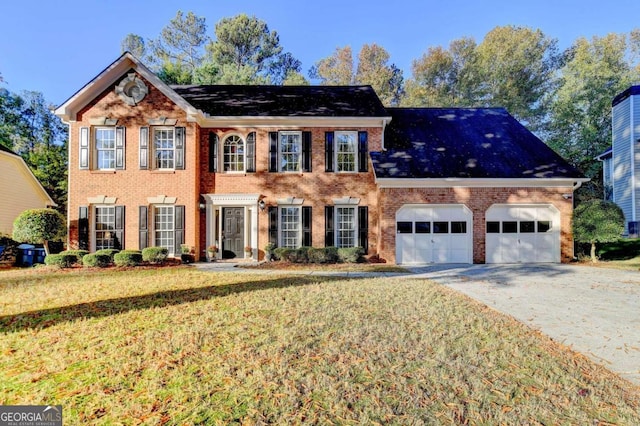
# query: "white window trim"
{"points": [[298, 207], [221, 161], [290, 132], [356, 235], [94, 219], [355, 152], [154, 164], [94, 148], [176, 250]]}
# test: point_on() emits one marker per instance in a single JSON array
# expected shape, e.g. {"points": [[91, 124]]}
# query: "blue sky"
{"points": [[55, 47]]}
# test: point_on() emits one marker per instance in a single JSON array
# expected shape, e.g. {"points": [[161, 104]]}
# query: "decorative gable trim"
{"points": [[108, 78]]}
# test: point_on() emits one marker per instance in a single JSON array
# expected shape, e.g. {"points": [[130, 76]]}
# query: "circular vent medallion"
{"points": [[131, 89]]}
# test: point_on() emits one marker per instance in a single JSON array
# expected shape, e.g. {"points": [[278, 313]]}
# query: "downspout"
{"points": [[577, 185], [384, 125]]}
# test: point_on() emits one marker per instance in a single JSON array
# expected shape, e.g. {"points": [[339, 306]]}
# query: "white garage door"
{"points": [[522, 234], [429, 233]]}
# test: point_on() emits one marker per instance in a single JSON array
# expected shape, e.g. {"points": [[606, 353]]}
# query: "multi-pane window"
{"points": [[105, 148], [164, 148], [233, 154], [346, 226], [346, 151], [290, 227], [163, 222], [105, 225], [290, 151]]}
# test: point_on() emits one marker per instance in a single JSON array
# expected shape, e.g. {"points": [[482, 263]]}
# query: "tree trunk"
{"points": [[594, 259], [45, 244]]}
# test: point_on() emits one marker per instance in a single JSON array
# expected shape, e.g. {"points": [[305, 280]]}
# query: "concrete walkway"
{"points": [[595, 311]]}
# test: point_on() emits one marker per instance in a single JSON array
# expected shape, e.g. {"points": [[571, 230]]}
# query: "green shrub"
{"points": [[331, 254], [299, 255], [128, 258], [282, 253], [79, 254], [61, 260], [322, 255], [350, 254], [96, 260], [155, 254], [108, 252]]}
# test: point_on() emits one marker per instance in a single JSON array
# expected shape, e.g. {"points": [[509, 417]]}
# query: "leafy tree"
{"points": [[374, 69], [597, 221], [446, 77], [245, 46], [335, 70], [135, 44], [39, 226], [594, 71], [283, 67], [178, 52]]}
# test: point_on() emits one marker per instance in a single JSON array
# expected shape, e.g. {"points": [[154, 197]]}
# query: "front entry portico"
{"points": [[232, 224]]}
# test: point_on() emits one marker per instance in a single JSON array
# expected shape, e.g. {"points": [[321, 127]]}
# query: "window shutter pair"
{"points": [[330, 228], [363, 152], [307, 241], [143, 227], [306, 165], [83, 228], [85, 148], [179, 136]]}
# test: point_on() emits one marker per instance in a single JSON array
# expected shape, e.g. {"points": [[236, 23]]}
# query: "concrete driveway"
{"points": [[595, 311]]}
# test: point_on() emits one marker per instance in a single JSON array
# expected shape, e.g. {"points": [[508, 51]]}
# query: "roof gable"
{"points": [[108, 77], [485, 143], [9, 157]]}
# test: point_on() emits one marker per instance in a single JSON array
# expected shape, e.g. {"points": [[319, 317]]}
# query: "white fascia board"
{"points": [[68, 110], [291, 122], [478, 183]]}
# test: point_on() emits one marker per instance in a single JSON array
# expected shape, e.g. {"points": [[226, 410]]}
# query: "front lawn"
{"points": [[181, 346]]}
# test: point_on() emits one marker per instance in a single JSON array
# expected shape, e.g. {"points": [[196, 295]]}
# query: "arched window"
{"points": [[233, 154]]}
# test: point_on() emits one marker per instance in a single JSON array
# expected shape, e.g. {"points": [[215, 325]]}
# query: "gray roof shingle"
{"points": [[464, 143], [283, 101]]}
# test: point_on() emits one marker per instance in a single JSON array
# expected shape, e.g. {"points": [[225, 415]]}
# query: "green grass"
{"points": [[621, 254], [179, 346]]}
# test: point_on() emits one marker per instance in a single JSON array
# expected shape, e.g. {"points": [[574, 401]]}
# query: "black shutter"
{"points": [[363, 228], [273, 225], [329, 227], [144, 148], [251, 152], [328, 151], [306, 226], [213, 152], [363, 152], [84, 148], [273, 151], [179, 135], [143, 227], [306, 151], [119, 230], [83, 228], [178, 230], [120, 142]]}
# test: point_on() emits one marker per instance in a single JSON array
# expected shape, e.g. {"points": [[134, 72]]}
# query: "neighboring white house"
{"points": [[621, 162], [19, 190]]}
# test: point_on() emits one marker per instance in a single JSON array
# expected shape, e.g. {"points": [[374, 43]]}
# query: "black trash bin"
{"points": [[25, 255]]}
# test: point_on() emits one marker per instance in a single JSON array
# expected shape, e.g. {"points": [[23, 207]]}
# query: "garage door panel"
{"points": [[526, 234]]}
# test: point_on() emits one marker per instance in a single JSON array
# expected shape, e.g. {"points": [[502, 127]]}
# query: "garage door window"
{"points": [[510, 227], [440, 227], [458, 227], [527, 227], [493, 227], [544, 226], [405, 227], [423, 227]]}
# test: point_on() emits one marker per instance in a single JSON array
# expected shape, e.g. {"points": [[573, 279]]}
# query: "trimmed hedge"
{"points": [[79, 254], [128, 258], [322, 255], [350, 254], [155, 254], [96, 260], [108, 252], [61, 260]]}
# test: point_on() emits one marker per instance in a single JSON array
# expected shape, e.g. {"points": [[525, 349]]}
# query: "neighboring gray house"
{"points": [[621, 162]]}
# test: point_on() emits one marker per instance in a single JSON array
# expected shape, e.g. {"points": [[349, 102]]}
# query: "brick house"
{"points": [[240, 166]]}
